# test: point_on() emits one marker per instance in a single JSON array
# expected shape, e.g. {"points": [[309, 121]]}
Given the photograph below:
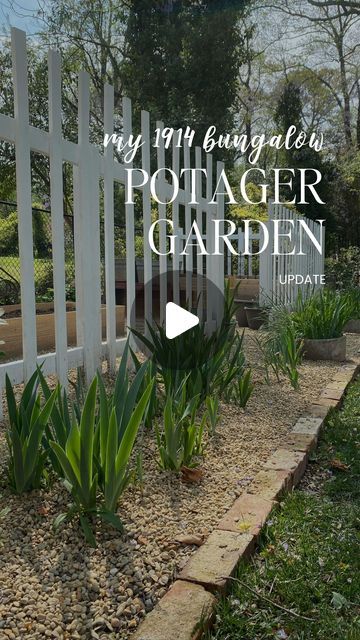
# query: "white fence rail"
{"points": [[90, 165]]}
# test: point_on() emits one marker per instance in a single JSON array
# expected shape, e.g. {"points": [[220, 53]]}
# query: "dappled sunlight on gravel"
{"points": [[54, 585]]}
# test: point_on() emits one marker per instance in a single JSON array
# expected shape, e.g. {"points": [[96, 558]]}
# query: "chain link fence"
{"points": [[43, 264]]}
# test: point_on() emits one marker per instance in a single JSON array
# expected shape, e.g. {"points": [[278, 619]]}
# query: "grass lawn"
{"points": [[309, 558], [11, 264]]}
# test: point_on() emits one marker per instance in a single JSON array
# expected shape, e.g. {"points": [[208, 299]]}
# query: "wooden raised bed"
{"points": [[11, 332]]}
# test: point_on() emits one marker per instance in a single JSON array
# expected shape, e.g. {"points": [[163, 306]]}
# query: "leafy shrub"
{"points": [[42, 234], [9, 244], [343, 272], [27, 425], [321, 316], [352, 298]]}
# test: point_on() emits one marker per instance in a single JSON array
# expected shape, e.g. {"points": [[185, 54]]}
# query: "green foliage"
{"points": [[322, 315], [352, 299], [116, 436], [281, 345], [245, 210], [212, 412], [208, 363], [27, 421], [180, 440], [98, 448], [9, 235], [343, 272], [153, 405], [242, 389], [184, 33], [290, 355]]}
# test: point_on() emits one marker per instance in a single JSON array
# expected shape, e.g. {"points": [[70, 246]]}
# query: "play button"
{"points": [[178, 320], [176, 312]]}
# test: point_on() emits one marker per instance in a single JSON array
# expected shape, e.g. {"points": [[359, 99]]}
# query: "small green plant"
{"points": [[61, 420], [95, 458], [180, 440], [290, 355], [28, 422], [208, 362], [212, 413], [153, 407], [243, 389], [321, 316]]}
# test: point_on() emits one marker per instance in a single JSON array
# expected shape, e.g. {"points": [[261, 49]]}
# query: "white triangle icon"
{"points": [[178, 320]]}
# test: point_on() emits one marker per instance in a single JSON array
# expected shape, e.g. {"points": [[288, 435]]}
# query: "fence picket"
{"points": [[23, 194], [145, 159], [162, 229], [130, 230], [109, 238]]}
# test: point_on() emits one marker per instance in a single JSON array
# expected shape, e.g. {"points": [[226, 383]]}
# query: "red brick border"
{"points": [[187, 608]]}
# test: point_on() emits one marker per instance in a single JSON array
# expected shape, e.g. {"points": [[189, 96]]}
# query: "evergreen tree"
{"points": [[182, 60], [288, 113]]}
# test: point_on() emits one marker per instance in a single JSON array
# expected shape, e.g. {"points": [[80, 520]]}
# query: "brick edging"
{"points": [[187, 608]]}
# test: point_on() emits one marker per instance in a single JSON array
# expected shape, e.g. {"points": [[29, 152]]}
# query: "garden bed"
{"points": [[11, 332], [55, 586]]}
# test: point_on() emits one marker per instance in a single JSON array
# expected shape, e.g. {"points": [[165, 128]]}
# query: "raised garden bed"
{"points": [[11, 333]]}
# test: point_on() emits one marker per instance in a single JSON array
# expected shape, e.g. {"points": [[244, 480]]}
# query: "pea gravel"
{"points": [[55, 586]]}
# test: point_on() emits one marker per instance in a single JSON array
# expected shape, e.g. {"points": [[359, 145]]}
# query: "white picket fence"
{"points": [[275, 285], [90, 165]]}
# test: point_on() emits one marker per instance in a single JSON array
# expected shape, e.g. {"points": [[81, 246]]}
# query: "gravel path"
{"points": [[54, 586]]}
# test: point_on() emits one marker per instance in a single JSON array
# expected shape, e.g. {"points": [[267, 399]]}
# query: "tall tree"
{"points": [[182, 60], [289, 112]]}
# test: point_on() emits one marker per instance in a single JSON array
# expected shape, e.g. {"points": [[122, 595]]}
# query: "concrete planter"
{"points": [[330, 349], [353, 326], [255, 317], [241, 312]]}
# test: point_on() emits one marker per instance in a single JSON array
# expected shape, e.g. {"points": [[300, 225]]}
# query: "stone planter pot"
{"points": [[241, 313], [330, 349], [353, 326], [255, 317]]}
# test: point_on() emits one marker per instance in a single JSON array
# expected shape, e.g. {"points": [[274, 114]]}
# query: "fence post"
{"points": [[57, 215], [175, 219], [87, 240], [23, 194], [199, 221], [130, 230], [109, 230], [162, 229], [188, 256], [266, 264], [145, 151]]}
